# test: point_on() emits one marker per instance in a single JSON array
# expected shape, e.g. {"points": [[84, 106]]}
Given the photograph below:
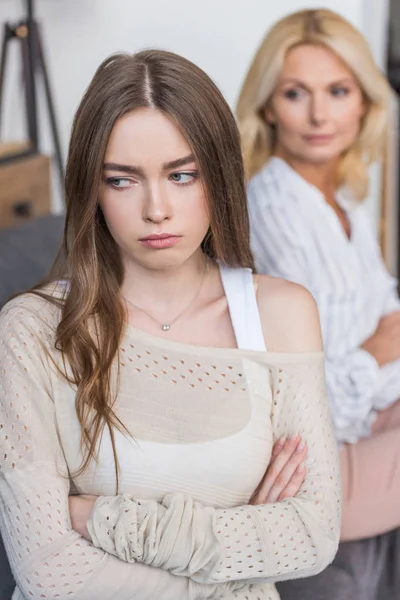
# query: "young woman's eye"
{"points": [[119, 183], [183, 178], [339, 91]]}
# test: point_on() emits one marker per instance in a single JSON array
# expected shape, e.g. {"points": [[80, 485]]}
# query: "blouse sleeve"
{"points": [[392, 301], [279, 245], [353, 382], [48, 559], [387, 284], [293, 538]]}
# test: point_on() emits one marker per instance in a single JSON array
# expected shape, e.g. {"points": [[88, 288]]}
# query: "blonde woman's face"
{"points": [[316, 107]]}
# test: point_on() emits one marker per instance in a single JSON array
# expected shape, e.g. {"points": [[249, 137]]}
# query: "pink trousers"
{"points": [[371, 479]]}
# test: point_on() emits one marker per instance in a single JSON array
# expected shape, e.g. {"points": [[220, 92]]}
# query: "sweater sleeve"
{"points": [[294, 538], [48, 559]]}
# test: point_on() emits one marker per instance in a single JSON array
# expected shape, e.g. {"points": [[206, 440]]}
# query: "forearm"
{"points": [[374, 349], [213, 546], [62, 556], [352, 383]]}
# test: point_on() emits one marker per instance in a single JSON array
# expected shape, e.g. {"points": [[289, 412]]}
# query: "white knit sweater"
{"points": [[203, 422]]}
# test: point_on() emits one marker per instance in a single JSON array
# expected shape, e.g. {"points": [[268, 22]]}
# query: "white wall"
{"points": [[219, 35]]}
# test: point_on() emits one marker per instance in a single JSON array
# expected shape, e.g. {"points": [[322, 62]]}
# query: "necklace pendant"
{"points": [[166, 327]]}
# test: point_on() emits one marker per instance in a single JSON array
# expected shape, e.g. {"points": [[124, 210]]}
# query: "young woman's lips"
{"points": [[159, 242]]}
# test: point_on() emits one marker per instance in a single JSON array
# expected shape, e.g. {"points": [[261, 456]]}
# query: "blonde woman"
{"points": [[313, 116]]}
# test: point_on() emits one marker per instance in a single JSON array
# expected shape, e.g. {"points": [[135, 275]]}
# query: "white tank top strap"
{"points": [[243, 308]]}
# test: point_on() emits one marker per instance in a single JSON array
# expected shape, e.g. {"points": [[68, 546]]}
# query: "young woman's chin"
{"points": [[159, 260]]}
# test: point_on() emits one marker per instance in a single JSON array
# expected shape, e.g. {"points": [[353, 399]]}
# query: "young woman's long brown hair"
{"points": [[92, 314]]}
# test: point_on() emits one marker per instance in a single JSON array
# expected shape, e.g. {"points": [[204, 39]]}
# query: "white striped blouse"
{"points": [[296, 235]]}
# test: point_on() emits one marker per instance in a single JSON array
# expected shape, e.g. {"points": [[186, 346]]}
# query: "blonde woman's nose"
{"points": [[318, 109]]}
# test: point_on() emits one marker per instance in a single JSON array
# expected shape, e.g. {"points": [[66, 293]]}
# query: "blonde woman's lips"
{"points": [[318, 139]]}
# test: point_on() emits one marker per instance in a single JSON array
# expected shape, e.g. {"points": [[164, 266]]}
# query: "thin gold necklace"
{"points": [[167, 326]]}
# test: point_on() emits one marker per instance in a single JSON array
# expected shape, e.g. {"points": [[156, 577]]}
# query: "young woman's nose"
{"points": [[157, 207]]}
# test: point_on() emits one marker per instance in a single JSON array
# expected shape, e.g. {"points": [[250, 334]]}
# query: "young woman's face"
{"points": [[316, 107], [152, 195]]}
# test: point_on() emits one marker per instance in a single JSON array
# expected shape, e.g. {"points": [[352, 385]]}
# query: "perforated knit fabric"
{"points": [[189, 456], [48, 559], [296, 537]]}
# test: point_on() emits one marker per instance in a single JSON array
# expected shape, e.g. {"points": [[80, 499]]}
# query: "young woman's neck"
{"points": [[323, 176], [168, 287]]}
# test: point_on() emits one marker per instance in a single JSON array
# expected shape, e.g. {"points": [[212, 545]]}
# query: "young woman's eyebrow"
{"points": [[135, 170], [127, 169], [179, 162]]}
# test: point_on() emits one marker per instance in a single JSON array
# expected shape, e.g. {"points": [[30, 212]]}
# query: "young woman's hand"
{"points": [[285, 474], [80, 510]]}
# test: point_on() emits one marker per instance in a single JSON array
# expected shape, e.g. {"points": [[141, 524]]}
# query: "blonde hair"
{"points": [[326, 28]]}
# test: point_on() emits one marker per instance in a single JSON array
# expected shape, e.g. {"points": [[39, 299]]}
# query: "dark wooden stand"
{"points": [[27, 34]]}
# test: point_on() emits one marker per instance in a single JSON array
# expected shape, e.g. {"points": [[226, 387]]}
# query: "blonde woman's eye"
{"points": [[293, 94], [339, 91], [183, 178], [119, 183]]}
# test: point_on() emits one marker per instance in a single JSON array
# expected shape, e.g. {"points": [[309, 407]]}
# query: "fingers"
{"points": [[294, 484], [275, 451], [277, 447], [289, 478], [285, 459]]}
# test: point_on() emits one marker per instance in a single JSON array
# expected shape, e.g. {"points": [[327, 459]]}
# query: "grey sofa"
{"points": [[26, 254], [363, 570]]}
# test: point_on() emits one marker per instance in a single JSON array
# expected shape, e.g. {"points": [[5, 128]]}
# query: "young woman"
{"points": [[313, 115], [138, 377]]}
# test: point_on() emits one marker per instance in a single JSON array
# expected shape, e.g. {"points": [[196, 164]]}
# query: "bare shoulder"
{"points": [[289, 316]]}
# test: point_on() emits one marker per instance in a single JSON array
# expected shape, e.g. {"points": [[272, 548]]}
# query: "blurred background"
{"points": [[221, 36], [43, 76]]}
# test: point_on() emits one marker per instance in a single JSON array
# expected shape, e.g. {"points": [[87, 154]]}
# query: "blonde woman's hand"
{"points": [[285, 473], [80, 510], [384, 344]]}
